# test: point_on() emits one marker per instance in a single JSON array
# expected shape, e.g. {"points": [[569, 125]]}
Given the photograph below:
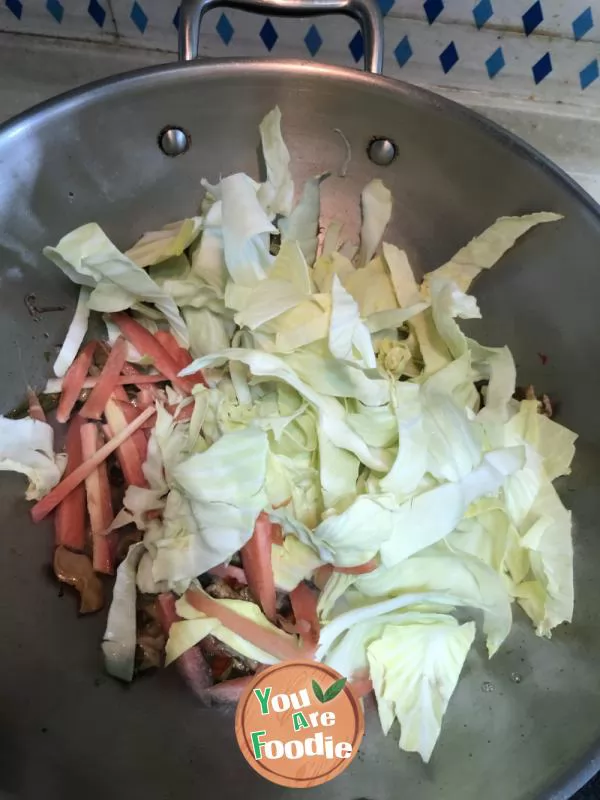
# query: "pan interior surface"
{"points": [[69, 731]]}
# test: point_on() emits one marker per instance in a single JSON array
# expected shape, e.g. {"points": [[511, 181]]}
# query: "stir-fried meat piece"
{"points": [[223, 590], [76, 570]]}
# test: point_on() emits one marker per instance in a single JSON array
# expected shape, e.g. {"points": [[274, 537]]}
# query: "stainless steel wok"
{"points": [[66, 730]]}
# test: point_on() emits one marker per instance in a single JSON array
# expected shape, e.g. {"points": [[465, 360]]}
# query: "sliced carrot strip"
{"points": [[145, 343], [99, 503], [260, 637], [256, 560], [69, 520], [55, 385], [132, 452], [229, 571], [107, 382], [361, 569], [73, 382], [35, 409], [179, 354], [48, 503], [304, 606]]}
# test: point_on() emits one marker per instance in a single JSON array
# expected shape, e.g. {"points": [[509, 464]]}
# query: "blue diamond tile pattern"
{"points": [[403, 52], [542, 68], [432, 9], [138, 17], [313, 40], [269, 35], [176, 18], [357, 47], [495, 63], [386, 6], [225, 29], [97, 13], [55, 8], [482, 12], [589, 74], [15, 7], [449, 57], [583, 24], [532, 18]]}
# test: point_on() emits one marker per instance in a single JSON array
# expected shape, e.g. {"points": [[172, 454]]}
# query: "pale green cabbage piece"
{"points": [[347, 332], [465, 578], [293, 562], [302, 225], [376, 202], [221, 493], [172, 240], [277, 193], [89, 258], [75, 334], [246, 229], [332, 416], [119, 641], [415, 669], [27, 446]]}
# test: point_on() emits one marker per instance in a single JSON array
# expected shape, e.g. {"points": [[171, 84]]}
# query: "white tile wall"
{"points": [[63, 18]]}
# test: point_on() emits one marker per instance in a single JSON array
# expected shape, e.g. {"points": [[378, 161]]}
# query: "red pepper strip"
{"points": [[99, 503], [304, 606], [360, 569], [256, 560], [35, 409], [228, 571], [179, 354], [129, 455], [48, 503], [147, 345], [73, 382], [69, 520], [107, 383], [191, 664], [260, 637]]}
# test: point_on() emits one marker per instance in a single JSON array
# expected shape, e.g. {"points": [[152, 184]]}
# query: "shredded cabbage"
{"points": [[344, 400]]}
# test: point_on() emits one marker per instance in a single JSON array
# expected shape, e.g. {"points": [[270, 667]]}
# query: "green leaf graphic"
{"points": [[334, 689], [318, 692]]}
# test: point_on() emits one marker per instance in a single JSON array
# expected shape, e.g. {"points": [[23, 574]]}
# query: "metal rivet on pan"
{"points": [[382, 151], [173, 141]]}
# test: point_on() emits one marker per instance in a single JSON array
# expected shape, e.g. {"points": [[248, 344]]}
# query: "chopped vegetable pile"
{"points": [[287, 448]]}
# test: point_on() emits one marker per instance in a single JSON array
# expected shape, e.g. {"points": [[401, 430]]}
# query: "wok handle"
{"points": [[365, 12]]}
